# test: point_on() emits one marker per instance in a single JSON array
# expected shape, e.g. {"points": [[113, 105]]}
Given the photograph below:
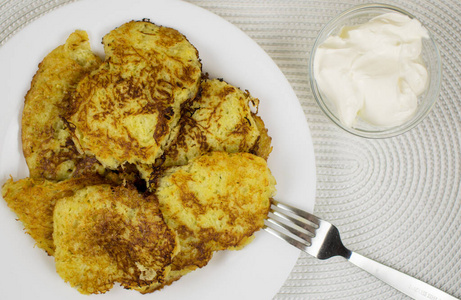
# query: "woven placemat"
{"points": [[395, 200]]}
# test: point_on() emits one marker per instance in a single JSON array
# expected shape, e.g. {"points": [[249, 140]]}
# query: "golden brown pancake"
{"points": [[105, 234], [124, 112], [219, 120], [33, 201], [216, 202], [47, 146]]}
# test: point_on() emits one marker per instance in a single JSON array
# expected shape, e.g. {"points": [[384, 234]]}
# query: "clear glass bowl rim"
{"points": [[387, 132]]}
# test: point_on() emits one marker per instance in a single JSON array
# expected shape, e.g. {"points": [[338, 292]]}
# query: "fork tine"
{"points": [[300, 233], [291, 224], [297, 220], [271, 227], [297, 212]]}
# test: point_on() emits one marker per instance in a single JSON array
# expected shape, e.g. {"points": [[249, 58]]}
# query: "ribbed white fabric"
{"points": [[395, 200]]}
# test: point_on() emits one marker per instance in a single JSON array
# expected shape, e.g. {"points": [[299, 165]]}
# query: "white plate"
{"points": [[256, 272]]}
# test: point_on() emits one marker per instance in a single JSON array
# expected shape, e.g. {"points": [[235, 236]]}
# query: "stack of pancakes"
{"points": [[141, 167]]}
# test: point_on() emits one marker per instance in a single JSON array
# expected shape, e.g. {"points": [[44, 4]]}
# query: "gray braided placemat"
{"points": [[395, 200]]}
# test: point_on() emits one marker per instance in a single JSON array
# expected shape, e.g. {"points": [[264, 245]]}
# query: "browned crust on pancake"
{"points": [[214, 203], [33, 201], [106, 234], [125, 110], [219, 119], [262, 146], [48, 148]]}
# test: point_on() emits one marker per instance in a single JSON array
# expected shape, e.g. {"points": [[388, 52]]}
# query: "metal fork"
{"points": [[321, 239]]}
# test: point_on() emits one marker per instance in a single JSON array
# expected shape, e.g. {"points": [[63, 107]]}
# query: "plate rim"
{"points": [[177, 3]]}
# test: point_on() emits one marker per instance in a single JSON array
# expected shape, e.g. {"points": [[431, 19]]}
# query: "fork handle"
{"points": [[406, 284]]}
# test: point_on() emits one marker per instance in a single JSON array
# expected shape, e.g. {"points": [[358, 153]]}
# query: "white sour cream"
{"points": [[374, 70]]}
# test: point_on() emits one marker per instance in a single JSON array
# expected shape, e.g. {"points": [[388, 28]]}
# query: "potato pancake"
{"points": [[33, 201], [125, 110], [219, 120], [47, 146], [105, 234], [216, 202]]}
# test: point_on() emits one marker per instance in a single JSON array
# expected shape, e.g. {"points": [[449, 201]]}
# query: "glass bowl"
{"points": [[430, 56]]}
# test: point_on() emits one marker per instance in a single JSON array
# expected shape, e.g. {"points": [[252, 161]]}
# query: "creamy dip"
{"points": [[374, 70]]}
